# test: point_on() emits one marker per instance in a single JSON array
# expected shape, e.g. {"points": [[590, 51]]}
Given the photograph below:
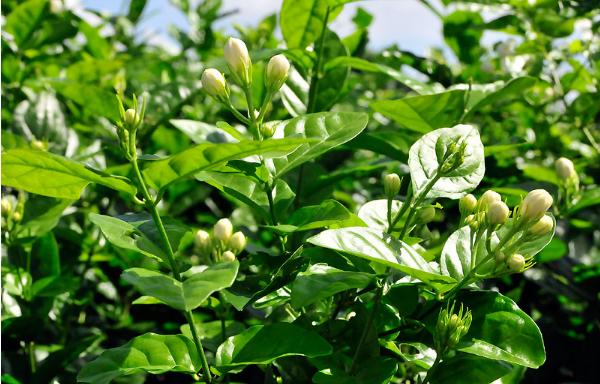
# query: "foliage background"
{"points": [[59, 73]]}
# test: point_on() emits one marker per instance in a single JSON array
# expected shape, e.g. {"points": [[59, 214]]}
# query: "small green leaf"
{"points": [[187, 295], [262, 344], [424, 162], [22, 22], [424, 113], [377, 246], [501, 331], [51, 175], [330, 214], [326, 130], [94, 99], [150, 353], [302, 21], [207, 156], [321, 281]]}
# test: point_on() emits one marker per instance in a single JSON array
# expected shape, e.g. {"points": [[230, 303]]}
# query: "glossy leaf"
{"points": [[374, 213], [204, 157], [487, 94], [467, 369], [326, 130], [51, 175], [424, 113], [374, 245], [321, 281], [21, 23], [150, 353], [94, 99], [302, 21], [329, 214], [200, 132], [262, 344], [425, 156], [187, 295], [501, 331]]}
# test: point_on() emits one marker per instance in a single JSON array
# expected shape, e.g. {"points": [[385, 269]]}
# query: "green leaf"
{"points": [[96, 44], [462, 32], [332, 81], [368, 66], [589, 198], [263, 344], [51, 175], [150, 353], [204, 157], [424, 113], [136, 8], [468, 369], [22, 22], [250, 191], [41, 215], [137, 232], [501, 331], [486, 94], [94, 99], [326, 130], [374, 213], [302, 21], [321, 281], [200, 132], [377, 246], [425, 156], [524, 244], [187, 295], [540, 173], [376, 370], [330, 214]]}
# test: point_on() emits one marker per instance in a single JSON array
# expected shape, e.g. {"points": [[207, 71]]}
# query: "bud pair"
{"points": [[535, 205]]}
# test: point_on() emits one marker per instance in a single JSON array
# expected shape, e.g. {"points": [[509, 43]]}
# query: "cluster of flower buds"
{"points": [[240, 66], [12, 209], [451, 156], [223, 245], [450, 328], [489, 210]]}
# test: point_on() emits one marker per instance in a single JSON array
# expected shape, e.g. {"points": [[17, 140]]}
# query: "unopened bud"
{"points": [[276, 72], [535, 205], [39, 145], [238, 60], [487, 199], [202, 239], [565, 169], [542, 226], [6, 207], [223, 230], [426, 215], [391, 185], [228, 256], [497, 213], [500, 257], [17, 216], [214, 84], [467, 204], [130, 118], [267, 130], [237, 242], [516, 263]]}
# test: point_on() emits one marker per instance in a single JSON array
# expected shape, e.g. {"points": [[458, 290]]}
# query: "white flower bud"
{"points": [[467, 204], [488, 198], [267, 130], [237, 242], [497, 213], [202, 239], [238, 60], [516, 263], [214, 84], [276, 72], [7, 207], [535, 205], [223, 230], [391, 185], [542, 226], [131, 117], [565, 169], [228, 256]]}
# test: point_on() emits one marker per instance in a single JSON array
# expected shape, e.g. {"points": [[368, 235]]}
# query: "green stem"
{"points": [[368, 325], [407, 202], [237, 114], [31, 353], [151, 206], [389, 213], [417, 202]]}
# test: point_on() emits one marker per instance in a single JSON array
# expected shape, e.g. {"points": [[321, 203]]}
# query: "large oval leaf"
{"points": [[207, 156], [424, 162], [321, 281], [377, 246], [150, 353], [326, 129], [467, 369], [374, 213], [51, 175], [187, 295], [500, 330], [262, 344]]}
